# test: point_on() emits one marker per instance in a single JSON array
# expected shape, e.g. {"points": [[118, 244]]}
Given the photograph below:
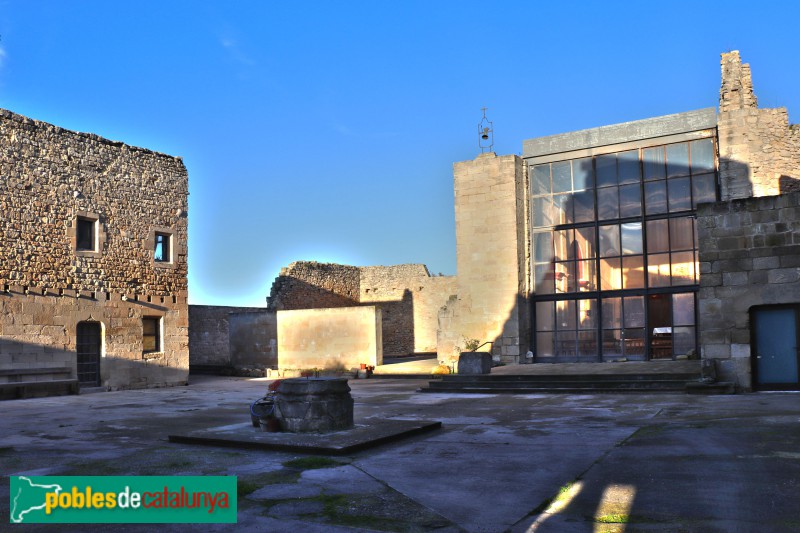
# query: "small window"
{"points": [[86, 234], [162, 253], [151, 334]]}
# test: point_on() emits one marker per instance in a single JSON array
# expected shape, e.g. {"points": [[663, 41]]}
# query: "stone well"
{"points": [[314, 405]]}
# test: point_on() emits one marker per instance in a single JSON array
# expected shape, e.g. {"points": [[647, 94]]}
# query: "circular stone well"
{"points": [[306, 405]]}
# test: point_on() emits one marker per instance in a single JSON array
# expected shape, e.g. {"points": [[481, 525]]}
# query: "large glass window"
{"points": [[614, 251]]}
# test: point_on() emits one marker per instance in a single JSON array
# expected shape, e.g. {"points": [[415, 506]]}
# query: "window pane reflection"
{"points": [[657, 236], [679, 194], [654, 163], [582, 175], [677, 160], [610, 274], [658, 270], [683, 268], [545, 344], [562, 177], [612, 312], [540, 182], [562, 209], [606, 170], [655, 197], [630, 201], [681, 232], [542, 211], [543, 279], [683, 341], [542, 247], [565, 315], [628, 167], [702, 156], [633, 272], [584, 206], [545, 317], [634, 340], [607, 203], [585, 272], [631, 238], [609, 240], [634, 312], [683, 309]]}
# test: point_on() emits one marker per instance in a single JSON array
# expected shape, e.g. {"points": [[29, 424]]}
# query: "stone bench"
{"points": [[38, 389], [20, 384]]}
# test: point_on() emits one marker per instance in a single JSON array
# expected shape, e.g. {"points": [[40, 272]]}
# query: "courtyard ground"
{"points": [[530, 462]]}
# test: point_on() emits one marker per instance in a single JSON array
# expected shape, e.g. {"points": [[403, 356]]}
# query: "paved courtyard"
{"points": [[532, 462]]}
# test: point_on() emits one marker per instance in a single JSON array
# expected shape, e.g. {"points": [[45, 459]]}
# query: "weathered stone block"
{"points": [[314, 405], [475, 363]]}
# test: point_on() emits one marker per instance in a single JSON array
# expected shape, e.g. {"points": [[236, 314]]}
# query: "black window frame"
{"points": [[597, 293], [166, 247], [86, 234]]}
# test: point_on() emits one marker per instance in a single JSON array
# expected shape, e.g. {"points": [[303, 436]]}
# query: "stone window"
{"points": [[151, 334], [162, 252], [87, 234], [163, 247]]}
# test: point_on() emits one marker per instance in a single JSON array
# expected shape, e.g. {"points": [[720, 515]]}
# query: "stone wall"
{"points": [[234, 338], [253, 341], [49, 177], [749, 256], [331, 338], [312, 285], [409, 297], [759, 150], [491, 250]]}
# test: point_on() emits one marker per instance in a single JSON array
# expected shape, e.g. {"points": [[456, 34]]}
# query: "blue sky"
{"points": [[327, 130]]}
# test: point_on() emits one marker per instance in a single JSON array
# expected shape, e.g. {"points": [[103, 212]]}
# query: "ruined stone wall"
{"points": [[749, 256], [759, 150], [49, 177], [408, 296], [312, 285], [410, 299]]}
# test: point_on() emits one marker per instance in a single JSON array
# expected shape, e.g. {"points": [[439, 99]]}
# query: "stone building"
{"points": [[93, 262], [665, 238]]}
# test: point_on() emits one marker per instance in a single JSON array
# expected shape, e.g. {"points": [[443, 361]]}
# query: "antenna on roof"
{"points": [[485, 133]]}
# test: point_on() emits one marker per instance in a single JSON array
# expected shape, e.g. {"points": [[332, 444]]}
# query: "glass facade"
{"points": [[614, 252]]}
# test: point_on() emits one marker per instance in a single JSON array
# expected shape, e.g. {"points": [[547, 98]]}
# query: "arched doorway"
{"points": [[88, 347]]}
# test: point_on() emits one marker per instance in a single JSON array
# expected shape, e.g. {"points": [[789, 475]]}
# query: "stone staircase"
{"points": [[591, 378]]}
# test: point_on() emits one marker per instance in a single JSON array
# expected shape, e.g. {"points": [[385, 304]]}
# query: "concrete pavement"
{"points": [[531, 462]]}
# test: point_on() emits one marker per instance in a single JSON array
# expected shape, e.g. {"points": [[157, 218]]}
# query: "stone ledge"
{"points": [[365, 435]]}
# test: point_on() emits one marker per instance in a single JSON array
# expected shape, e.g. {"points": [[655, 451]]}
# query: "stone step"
{"points": [[589, 378], [576, 383], [512, 386], [548, 390]]}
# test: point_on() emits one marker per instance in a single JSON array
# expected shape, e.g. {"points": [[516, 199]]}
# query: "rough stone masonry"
{"points": [[81, 218]]}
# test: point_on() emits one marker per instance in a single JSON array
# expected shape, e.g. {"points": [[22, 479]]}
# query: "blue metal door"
{"points": [[775, 351]]}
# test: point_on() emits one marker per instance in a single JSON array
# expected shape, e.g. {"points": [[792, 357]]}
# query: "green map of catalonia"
{"points": [[29, 497]]}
